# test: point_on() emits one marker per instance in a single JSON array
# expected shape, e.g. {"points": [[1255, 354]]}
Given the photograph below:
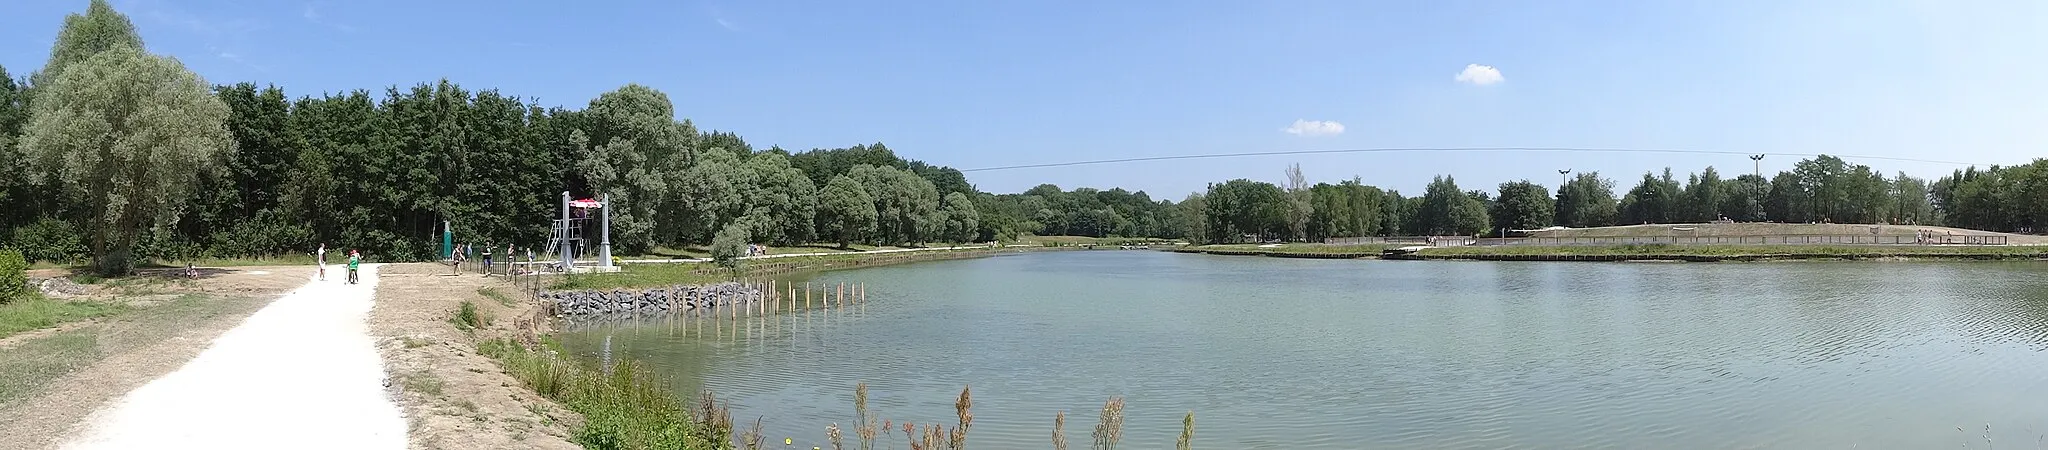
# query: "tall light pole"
{"points": [[1561, 178], [1759, 160]]}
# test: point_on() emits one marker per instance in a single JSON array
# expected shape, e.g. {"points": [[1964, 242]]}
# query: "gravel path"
{"points": [[302, 372]]}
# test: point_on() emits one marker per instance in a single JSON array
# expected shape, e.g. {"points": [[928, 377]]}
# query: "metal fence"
{"points": [[1842, 239]]}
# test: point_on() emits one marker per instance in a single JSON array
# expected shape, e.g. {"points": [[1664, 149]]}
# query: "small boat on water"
{"points": [[1410, 252]]}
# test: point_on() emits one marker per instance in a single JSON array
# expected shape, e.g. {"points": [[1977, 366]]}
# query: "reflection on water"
{"points": [[1280, 353]]}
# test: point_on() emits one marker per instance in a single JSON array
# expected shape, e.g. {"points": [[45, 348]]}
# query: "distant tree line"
{"points": [[1823, 189], [114, 154]]}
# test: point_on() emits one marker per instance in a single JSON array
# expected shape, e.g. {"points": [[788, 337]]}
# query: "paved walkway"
{"points": [[301, 373]]}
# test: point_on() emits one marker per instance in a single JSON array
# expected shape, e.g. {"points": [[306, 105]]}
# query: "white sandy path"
{"points": [[302, 372]]}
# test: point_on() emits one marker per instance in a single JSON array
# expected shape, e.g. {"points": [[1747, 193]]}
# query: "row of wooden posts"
{"points": [[828, 294]]}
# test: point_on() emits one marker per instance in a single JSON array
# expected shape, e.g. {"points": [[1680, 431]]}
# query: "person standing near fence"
{"points": [[487, 259]]}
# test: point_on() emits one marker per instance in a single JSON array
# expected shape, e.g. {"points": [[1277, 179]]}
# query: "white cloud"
{"points": [[1304, 127], [1480, 74]]}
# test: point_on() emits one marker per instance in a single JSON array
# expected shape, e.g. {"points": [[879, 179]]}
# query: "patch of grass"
{"points": [[623, 406], [33, 364], [34, 311], [494, 294], [423, 382], [412, 342], [468, 318]]}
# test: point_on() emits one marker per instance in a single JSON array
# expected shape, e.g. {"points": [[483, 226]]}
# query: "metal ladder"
{"points": [[564, 235]]}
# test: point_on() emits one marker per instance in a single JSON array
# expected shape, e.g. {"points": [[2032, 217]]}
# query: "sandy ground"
{"points": [[300, 373], [453, 397]]}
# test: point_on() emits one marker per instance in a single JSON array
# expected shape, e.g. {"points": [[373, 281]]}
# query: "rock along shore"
{"points": [[647, 301]]}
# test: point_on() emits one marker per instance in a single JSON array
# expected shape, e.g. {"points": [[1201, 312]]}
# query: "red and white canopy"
{"points": [[586, 203]]}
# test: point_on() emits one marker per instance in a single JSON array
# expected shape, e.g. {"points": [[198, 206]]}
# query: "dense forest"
{"points": [[112, 154]]}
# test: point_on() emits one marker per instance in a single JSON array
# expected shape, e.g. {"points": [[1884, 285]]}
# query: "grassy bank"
{"points": [[29, 365], [1668, 251], [35, 312], [1283, 250], [623, 406]]}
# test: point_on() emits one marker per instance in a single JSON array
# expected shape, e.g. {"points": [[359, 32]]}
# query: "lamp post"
{"points": [[1561, 179], [1759, 160]]}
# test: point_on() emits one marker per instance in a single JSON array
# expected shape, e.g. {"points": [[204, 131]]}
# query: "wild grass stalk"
{"points": [[1110, 428], [753, 436], [1187, 433], [832, 434], [964, 408], [1059, 431], [863, 425]]}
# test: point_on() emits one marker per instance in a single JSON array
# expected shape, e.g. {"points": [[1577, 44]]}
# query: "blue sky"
{"points": [[980, 84]]}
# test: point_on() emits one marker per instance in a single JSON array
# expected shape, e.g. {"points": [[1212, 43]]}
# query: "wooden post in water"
{"points": [[807, 295], [842, 294]]}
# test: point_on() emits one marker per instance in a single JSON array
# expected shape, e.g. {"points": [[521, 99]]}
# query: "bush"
{"points": [[729, 245], [13, 276], [50, 240]]}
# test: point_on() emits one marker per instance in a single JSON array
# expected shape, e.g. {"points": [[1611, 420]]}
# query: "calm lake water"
{"points": [[1286, 353]]}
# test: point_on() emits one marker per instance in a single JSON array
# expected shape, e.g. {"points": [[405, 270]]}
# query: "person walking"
{"points": [[487, 259], [455, 260], [355, 259], [320, 258]]}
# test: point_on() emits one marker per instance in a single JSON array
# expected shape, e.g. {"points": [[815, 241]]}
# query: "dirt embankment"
{"points": [[52, 379], [453, 397]]}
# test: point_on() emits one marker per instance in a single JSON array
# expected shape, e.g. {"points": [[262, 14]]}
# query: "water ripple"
{"points": [[1288, 354]]}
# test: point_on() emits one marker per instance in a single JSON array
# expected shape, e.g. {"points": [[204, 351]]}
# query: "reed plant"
{"points": [[1110, 428], [627, 408]]}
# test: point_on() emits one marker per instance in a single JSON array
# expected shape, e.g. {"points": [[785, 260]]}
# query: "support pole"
{"points": [[562, 229], [604, 233]]}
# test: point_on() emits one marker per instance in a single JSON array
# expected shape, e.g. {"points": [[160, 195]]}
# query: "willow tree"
{"points": [[125, 134], [86, 35], [846, 212]]}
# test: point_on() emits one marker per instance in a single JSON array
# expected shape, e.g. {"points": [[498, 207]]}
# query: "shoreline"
{"points": [[1654, 252]]}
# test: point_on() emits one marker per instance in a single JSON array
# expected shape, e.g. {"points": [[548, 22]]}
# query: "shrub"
{"points": [[13, 276], [468, 318], [728, 245], [49, 240]]}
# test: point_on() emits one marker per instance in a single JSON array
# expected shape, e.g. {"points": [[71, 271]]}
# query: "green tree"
{"points": [[1653, 200], [632, 139], [1523, 205], [846, 212], [1586, 201], [1910, 200], [1702, 197], [15, 196], [961, 217], [1240, 207], [1448, 211], [1300, 203], [702, 197], [127, 133], [784, 197], [84, 35], [1743, 199], [729, 245]]}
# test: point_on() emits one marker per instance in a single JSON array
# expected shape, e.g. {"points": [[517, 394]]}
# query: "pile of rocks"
{"points": [[649, 301]]}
